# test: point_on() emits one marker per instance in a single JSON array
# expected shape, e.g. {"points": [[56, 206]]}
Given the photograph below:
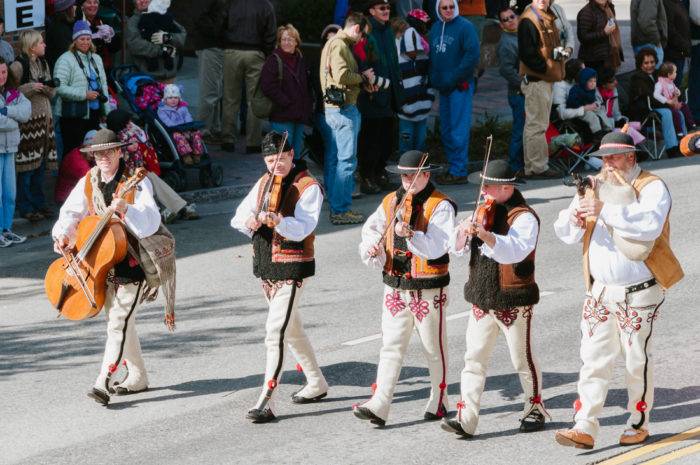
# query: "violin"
{"points": [[272, 198], [484, 214], [76, 283]]}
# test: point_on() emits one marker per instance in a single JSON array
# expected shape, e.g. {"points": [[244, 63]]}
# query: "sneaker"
{"points": [[189, 212], [448, 178], [4, 242], [168, 216], [12, 237], [348, 217]]}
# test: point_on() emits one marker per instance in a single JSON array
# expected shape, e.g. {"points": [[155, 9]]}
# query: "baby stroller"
{"points": [[131, 85]]}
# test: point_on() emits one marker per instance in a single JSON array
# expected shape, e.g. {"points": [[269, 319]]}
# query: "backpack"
{"points": [[260, 104]]}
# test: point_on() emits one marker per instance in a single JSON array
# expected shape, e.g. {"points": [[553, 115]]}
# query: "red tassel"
{"points": [[536, 400], [577, 405], [461, 405], [112, 368], [443, 386], [272, 384], [641, 406], [124, 362], [299, 368], [373, 387]]}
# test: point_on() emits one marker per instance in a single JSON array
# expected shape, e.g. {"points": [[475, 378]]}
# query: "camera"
{"points": [[55, 82], [560, 53], [102, 98]]}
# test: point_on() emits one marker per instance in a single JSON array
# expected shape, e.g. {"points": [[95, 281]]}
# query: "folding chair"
{"points": [[649, 123], [569, 157]]}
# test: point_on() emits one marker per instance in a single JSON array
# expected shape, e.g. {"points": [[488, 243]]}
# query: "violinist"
{"points": [[95, 194], [628, 266], [501, 239], [407, 238], [280, 214]]}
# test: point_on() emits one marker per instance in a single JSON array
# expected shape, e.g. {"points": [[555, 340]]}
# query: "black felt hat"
{"points": [[272, 143], [498, 172], [372, 3], [410, 162], [615, 143]]}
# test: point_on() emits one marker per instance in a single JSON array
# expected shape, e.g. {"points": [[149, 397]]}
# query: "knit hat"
{"points": [[62, 5], [118, 119], [104, 140], [419, 15], [171, 90], [158, 6], [81, 28]]}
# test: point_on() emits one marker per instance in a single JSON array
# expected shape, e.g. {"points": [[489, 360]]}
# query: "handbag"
{"points": [[260, 104]]}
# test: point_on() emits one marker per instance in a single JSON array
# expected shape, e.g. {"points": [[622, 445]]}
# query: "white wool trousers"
{"points": [[284, 328], [120, 308], [482, 333], [614, 322], [403, 311]]}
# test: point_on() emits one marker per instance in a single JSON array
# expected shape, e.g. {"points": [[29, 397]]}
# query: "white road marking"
{"points": [[456, 316]]}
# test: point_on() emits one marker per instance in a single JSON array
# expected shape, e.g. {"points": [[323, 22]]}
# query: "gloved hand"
{"points": [[104, 32], [3, 111], [160, 38]]}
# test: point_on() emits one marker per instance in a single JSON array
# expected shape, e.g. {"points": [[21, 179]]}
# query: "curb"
{"points": [[216, 194]]}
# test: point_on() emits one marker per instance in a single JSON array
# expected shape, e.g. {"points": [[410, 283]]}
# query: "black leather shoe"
{"points": [[228, 147], [99, 395], [534, 421], [439, 415], [260, 416], [363, 413], [307, 400], [453, 426]]}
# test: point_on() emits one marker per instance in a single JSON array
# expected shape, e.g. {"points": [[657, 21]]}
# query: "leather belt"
{"points": [[640, 286]]}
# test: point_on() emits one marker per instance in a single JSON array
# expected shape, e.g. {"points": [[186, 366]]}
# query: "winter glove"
{"points": [[104, 32], [160, 38]]}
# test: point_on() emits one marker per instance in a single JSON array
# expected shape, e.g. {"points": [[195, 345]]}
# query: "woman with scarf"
{"points": [[608, 101], [599, 35]]}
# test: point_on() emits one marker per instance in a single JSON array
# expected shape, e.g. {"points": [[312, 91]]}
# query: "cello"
{"points": [[76, 283]]}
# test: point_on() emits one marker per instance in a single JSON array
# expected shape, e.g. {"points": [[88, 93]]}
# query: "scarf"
{"points": [[614, 38], [579, 95], [608, 100], [155, 254]]}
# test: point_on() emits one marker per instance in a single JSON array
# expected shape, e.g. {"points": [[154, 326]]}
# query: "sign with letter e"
{"points": [[23, 14]]}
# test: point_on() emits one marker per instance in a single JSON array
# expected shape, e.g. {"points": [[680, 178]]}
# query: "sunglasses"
{"points": [[505, 19], [447, 7]]}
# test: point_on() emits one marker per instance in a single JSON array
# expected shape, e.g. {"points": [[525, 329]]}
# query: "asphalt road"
{"points": [[205, 376]]}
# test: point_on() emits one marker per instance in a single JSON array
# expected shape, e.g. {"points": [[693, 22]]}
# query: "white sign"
{"points": [[24, 14]]}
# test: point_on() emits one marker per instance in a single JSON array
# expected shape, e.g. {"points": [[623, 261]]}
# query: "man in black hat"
{"points": [[407, 237], [622, 221], [503, 292], [280, 214]]}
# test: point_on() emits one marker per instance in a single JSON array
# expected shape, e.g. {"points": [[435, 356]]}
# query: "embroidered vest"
{"points": [[404, 270], [495, 286], [274, 257], [549, 40], [662, 263]]}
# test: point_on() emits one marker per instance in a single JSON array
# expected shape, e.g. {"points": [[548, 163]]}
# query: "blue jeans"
{"points": [[8, 190], [339, 167], [515, 150], [659, 52], [412, 135], [455, 124], [694, 82], [295, 137], [326, 136], [30, 190], [667, 127]]}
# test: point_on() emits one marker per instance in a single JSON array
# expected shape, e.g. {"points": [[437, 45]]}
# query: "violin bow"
{"points": [[423, 161], [489, 139], [268, 189]]}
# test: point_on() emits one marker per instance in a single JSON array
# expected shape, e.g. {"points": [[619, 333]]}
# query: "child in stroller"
{"points": [[173, 112]]}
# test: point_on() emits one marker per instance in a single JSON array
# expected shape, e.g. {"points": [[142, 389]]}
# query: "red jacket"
{"points": [[73, 167]]}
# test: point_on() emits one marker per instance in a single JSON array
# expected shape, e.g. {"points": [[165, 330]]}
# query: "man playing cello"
{"points": [[95, 195]]}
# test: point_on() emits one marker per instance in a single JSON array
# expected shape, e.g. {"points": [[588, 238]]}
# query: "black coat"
{"points": [[208, 31], [59, 36], [250, 25], [590, 22], [678, 45], [641, 87]]}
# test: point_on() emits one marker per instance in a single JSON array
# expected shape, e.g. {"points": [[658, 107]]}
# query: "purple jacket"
{"points": [[174, 116], [291, 97]]}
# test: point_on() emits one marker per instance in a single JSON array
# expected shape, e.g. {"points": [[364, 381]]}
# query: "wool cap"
{"points": [[81, 28]]}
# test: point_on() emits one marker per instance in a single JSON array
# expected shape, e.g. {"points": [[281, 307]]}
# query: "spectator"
{"points": [[158, 54], [378, 105], [583, 95], [509, 69], [173, 112], [207, 37], [7, 53], [694, 74], [73, 167], [249, 36], [560, 93], [678, 46], [454, 54], [319, 112], [641, 96], [567, 39], [37, 147], [608, 101], [104, 37], [414, 61], [59, 30], [14, 109], [649, 27], [83, 89], [538, 38], [290, 95], [340, 76], [599, 35], [140, 153], [666, 92]]}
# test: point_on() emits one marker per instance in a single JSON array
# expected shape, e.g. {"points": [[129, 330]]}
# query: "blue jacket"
{"points": [[454, 52]]}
